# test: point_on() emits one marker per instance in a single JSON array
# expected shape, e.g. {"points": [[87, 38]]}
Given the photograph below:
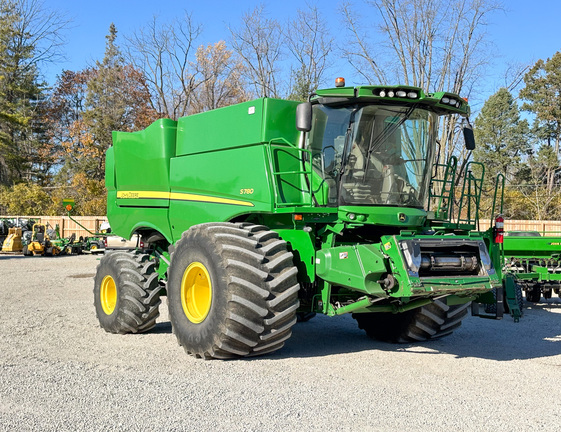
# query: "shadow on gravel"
{"points": [[537, 335], [31, 257], [161, 328], [9, 256]]}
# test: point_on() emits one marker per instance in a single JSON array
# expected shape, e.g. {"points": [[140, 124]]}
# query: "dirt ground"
{"points": [[60, 372]]}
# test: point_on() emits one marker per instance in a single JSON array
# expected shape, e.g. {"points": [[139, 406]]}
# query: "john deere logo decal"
{"points": [[402, 217]]}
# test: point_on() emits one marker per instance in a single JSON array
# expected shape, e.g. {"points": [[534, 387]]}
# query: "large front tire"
{"points": [[126, 293], [432, 321], [232, 291]]}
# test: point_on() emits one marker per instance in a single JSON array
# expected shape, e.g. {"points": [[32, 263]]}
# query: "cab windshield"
{"points": [[373, 155]]}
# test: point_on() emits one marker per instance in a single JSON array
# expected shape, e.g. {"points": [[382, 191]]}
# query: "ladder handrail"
{"points": [[283, 143]]}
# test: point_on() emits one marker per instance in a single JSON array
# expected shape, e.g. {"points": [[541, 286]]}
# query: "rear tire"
{"points": [[432, 321], [246, 297], [126, 293], [534, 294]]}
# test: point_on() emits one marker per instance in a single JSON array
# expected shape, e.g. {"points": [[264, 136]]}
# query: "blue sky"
{"points": [[525, 32]]}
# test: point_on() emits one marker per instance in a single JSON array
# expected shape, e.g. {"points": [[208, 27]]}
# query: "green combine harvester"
{"points": [[262, 213]]}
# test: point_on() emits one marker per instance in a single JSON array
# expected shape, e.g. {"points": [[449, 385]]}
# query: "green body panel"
{"points": [[401, 217], [171, 176], [144, 163], [531, 246], [257, 121], [302, 246], [238, 191], [126, 220], [359, 267], [534, 259]]}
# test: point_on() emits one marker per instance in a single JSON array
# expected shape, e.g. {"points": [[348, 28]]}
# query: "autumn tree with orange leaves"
{"points": [[85, 107]]}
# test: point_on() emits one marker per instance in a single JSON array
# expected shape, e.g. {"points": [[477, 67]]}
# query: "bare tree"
{"points": [[162, 52], [437, 45], [259, 43], [310, 44], [514, 75], [218, 77], [40, 28]]}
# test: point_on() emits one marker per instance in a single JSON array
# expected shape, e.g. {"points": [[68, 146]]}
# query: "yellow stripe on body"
{"points": [[178, 196]]}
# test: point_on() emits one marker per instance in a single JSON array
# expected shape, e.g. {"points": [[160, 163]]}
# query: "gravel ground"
{"points": [[60, 372]]}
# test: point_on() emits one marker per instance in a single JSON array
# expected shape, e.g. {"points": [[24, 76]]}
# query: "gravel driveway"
{"points": [[60, 372]]}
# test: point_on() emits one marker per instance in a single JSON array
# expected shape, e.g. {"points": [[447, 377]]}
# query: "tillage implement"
{"points": [[262, 213]]}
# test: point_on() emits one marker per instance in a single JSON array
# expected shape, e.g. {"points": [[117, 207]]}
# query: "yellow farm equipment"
{"points": [[12, 243]]}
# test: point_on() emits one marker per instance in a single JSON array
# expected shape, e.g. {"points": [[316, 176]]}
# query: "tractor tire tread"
{"points": [[138, 292], [261, 290], [432, 321]]}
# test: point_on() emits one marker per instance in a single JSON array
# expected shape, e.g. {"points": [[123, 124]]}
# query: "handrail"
{"points": [[445, 201], [502, 177], [472, 196], [282, 143]]}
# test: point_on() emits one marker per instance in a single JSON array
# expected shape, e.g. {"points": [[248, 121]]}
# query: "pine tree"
{"points": [[543, 95], [30, 36], [20, 95], [502, 137]]}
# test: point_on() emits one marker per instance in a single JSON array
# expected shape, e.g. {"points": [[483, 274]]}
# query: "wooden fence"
{"points": [[543, 227], [66, 226]]}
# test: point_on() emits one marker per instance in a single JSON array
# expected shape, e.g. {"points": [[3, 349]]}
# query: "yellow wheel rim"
{"points": [[196, 292], [108, 294], [93, 247]]}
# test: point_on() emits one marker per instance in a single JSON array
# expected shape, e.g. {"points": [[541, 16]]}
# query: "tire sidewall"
{"points": [[108, 267], [198, 247]]}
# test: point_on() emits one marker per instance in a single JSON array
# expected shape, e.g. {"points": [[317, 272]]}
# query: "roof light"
{"points": [[445, 100], [340, 82], [412, 95], [382, 93], [391, 93], [401, 94]]}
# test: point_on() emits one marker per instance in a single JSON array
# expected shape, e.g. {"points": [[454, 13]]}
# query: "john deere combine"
{"points": [[262, 212]]}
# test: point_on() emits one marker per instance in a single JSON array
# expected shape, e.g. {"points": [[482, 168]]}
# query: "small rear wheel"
{"points": [[232, 291], [534, 294], [432, 321], [126, 293]]}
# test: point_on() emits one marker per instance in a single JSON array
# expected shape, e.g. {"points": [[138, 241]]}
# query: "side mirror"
{"points": [[469, 138], [304, 117]]}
